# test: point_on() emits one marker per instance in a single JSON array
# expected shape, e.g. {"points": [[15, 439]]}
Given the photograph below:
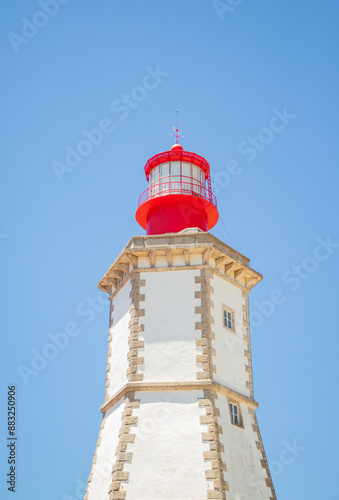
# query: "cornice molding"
{"points": [[231, 394], [141, 253]]}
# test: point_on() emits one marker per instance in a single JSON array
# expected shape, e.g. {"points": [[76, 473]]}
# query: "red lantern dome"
{"points": [[179, 193]]}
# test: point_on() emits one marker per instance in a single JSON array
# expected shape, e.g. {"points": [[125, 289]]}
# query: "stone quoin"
{"points": [[179, 416]]}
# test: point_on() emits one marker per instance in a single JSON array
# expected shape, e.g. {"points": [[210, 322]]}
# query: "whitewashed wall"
{"points": [[229, 360], [119, 343], [168, 450], [102, 469], [245, 475], [170, 351]]}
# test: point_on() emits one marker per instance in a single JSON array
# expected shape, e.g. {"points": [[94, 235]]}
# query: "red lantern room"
{"points": [[179, 193]]}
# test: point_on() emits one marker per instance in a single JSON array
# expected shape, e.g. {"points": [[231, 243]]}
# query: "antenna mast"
{"points": [[177, 130]]}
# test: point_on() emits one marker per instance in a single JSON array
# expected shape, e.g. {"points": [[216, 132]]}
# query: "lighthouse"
{"points": [[178, 418]]}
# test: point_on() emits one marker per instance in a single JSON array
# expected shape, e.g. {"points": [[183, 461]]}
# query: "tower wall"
{"points": [[169, 326], [173, 369], [245, 476], [232, 365], [118, 347], [168, 460], [100, 477]]}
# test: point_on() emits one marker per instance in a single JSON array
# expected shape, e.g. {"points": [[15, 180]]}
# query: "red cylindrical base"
{"points": [[173, 213], [173, 218]]}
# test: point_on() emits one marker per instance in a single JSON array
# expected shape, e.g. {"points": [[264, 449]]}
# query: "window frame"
{"points": [[238, 414], [231, 312]]}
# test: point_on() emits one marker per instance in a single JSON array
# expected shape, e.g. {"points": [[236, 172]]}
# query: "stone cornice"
{"points": [[235, 396], [141, 253]]}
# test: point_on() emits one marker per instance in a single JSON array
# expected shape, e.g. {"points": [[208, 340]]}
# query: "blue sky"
{"points": [[230, 68]]}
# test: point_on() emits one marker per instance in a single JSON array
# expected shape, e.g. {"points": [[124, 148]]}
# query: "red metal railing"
{"points": [[182, 185]]}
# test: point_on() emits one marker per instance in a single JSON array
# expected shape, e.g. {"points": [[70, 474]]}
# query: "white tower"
{"points": [[179, 417]]}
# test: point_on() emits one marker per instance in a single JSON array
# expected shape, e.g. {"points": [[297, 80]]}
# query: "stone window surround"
{"points": [[240, 423], [231, 311]]}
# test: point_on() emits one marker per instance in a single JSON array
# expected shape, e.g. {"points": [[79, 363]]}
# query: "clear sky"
{"points": [[256, 83]]}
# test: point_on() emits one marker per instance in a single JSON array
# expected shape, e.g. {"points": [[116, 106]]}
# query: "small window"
{"points": [[235, 414], [228, 318]]}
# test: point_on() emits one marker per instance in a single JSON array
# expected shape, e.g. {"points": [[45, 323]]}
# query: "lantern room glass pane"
{"points": [[186, 170], [155, 174], [164, 170], [175, 168], [196, 173], [196, 179]]}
